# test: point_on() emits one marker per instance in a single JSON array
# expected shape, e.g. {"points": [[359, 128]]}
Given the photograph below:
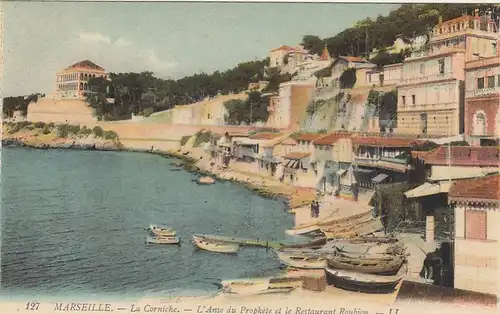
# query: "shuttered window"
{"points": [[475, 224]]}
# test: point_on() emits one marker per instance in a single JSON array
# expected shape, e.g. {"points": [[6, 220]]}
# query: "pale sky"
{"points": [[169, 39]]}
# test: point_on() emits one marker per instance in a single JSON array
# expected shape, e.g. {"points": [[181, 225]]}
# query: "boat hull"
{"points": [[163, 240], [348, 281], [216, 247], [374, 266], [161, 231], [302, 261]]}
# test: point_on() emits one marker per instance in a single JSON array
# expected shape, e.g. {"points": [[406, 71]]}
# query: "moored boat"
{"points": [[345, 220], [366, 283], [382, 265], [213, 246], [315, 243], [304, 261], [205, 180], [366, 228], [162, 231], [163, 240]]}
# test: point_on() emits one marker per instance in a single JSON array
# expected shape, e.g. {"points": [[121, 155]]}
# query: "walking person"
{"points": [[312, 210], [317, 209]]}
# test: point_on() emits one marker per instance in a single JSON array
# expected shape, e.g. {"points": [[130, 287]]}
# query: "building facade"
{"points": [[432, 90], [430, 94], [72, 82], [476, 203], [482, 99], [290, 108]]}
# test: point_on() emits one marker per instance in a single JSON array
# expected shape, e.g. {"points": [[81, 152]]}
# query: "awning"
{"points": [[363, 170], [341, 172], [427, 189], [379, 178]]}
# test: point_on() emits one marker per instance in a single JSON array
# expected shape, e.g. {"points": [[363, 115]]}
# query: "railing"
{"points": [[443, 76], [484, 91], [394, 160]]}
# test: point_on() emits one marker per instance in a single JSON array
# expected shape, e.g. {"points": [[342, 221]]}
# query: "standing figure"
{"points": [[317, 209], [312, 209]]}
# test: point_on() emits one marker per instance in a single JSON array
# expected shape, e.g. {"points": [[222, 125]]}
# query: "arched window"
{"points": [[479, 124], [81, 76]]}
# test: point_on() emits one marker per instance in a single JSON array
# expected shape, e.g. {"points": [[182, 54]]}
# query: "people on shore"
{"points": [[315, 209]]}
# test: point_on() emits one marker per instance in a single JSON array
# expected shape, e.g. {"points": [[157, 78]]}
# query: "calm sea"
{"points": [[73, 224]]}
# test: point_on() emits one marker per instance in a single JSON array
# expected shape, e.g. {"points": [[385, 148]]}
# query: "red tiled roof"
{"points": [[308, 137], [284, 47], [265, 136], [487, 188], [86, 64], [296, 155], [385, 141], [354, 59], [463, 156], [331, 138]]}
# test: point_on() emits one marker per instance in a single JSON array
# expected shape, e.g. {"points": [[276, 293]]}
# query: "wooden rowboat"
{"points": [[315, 243], [260, 285], [349, 226], [205, 180], [162, 240], [371, 227], [345, 220], [162, 231], [218, 247], [366, 283], [304, 261], [369, 265]]}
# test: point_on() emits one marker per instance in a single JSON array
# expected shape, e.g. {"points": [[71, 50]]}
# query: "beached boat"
{"points": [[315, 243], [345, 220], [373, 239], [205, 180], [311, 227], [163, 240], [367, 228], [305, 261], [213, 246], [366, 283], [162, 231], [260, 285], [349, 226], [381, 265]]}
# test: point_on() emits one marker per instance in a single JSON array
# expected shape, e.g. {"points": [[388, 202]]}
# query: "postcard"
{"points": [[249, 157]]}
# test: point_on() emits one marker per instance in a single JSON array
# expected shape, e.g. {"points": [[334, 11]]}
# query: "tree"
{"points": [[241, 111], [313, 44]]}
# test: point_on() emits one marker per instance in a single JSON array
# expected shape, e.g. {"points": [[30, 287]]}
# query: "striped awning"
{"points": [[427, 189]]}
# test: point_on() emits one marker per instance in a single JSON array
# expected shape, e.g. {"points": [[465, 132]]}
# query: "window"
{"points": [[480, 83], [423, 122], [491, 81], [498, 80], [413, 99], [475, 224], [446, 120], [422, 68], [441, 66], [493, 48], [403, 100]]}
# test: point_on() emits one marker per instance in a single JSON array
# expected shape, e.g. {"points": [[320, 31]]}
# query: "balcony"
{"points": [[394, 164], [428, 78], [483, 91]]}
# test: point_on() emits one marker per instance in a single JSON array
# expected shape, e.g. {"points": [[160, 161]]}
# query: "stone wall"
{"points": [[73, 111]]}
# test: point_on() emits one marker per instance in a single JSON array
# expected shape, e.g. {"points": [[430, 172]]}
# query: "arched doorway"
{"points": [[479, 127]]}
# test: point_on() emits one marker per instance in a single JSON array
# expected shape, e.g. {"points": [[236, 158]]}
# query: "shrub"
{"points": [[203, 137], [147, 112], [98, 131], [47, 130], [40, 125], [184, 140], [110, 135]]}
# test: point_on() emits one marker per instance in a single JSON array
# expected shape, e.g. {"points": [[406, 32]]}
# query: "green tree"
{"points": [[313, 44]]}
